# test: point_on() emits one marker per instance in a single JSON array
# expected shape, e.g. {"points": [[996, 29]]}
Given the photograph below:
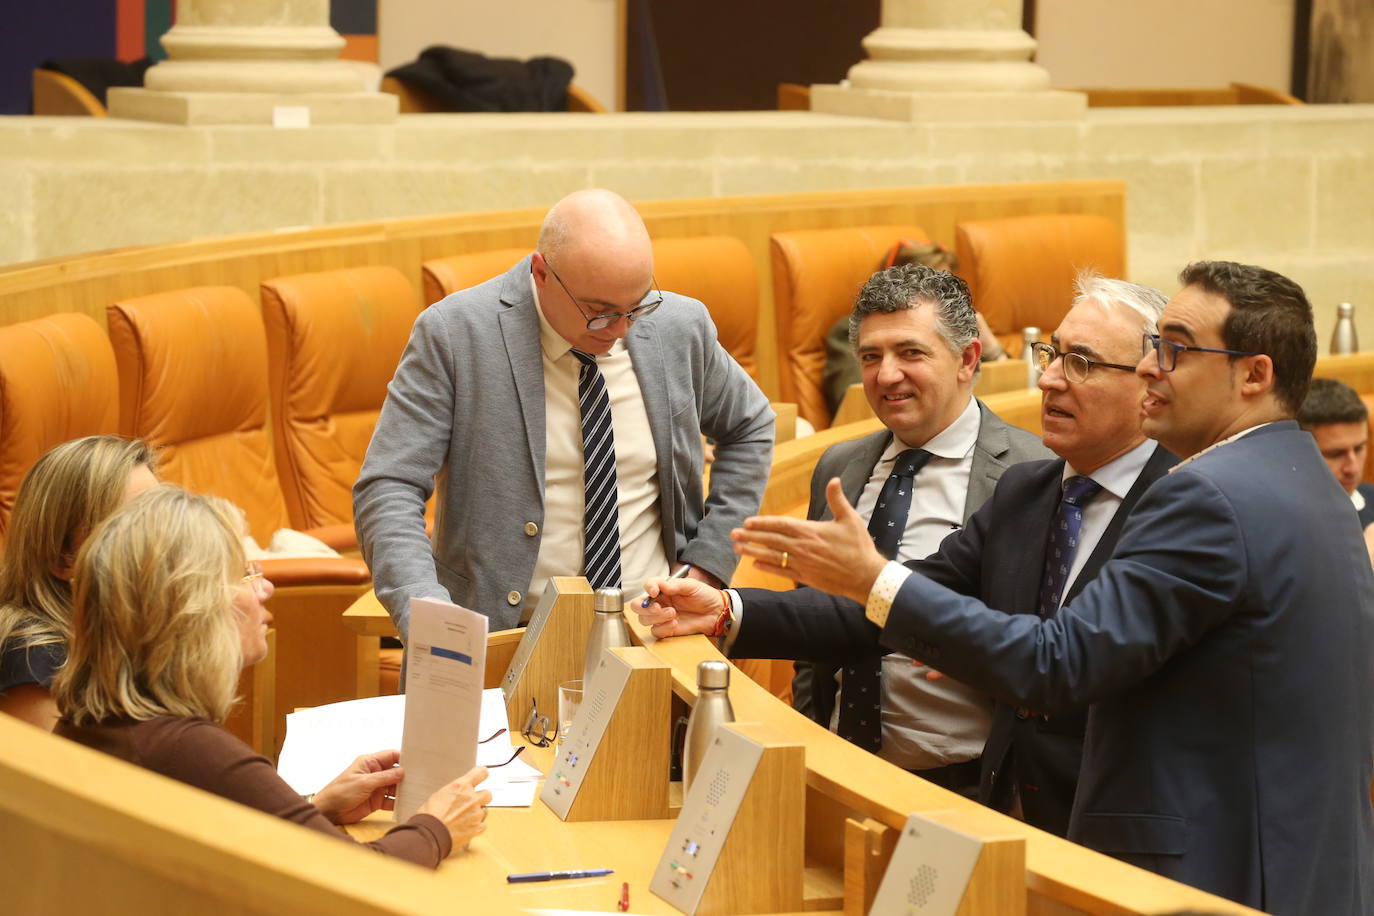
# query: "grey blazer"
{"points": [[465, 413], [998, 447]]}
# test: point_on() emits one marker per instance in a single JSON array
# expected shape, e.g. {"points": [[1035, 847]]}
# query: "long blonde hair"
{"points": [[154, 630], [66, 493]]}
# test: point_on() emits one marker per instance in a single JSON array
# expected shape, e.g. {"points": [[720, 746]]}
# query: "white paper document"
{"points": [[321, 741], [445, 658]]}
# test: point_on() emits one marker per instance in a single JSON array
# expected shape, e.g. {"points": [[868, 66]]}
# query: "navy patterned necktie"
{"points": [[861, 689], [1063, 544], [601, 519], [887, 524]]}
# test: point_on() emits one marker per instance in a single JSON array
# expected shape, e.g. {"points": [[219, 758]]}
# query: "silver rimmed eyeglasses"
{"points": [[1076, 365], [603, 321], [1167, 351]]}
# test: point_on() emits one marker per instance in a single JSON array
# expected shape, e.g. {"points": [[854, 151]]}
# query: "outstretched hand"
{"points": [[836, 556], [679, 607]]}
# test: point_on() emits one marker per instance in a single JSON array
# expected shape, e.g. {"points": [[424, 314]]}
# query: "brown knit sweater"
{"points": [[201, 754]]}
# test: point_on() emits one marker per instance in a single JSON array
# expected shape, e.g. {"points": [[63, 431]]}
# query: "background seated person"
{"points": [[842, 369], [63, 496], [163, 618], [1336, 417]]}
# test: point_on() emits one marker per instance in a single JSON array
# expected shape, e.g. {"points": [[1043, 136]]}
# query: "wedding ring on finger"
{"points": [[785, 559]]}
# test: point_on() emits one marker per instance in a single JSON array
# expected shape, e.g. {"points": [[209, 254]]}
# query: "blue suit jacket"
{"points": [[1226, 649]]}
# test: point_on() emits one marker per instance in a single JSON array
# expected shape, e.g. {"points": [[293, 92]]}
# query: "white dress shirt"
{"points": [[636, 467]]}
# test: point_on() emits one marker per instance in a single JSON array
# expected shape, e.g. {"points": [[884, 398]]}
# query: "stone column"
{"points": [[238, 61], [949, 60]]}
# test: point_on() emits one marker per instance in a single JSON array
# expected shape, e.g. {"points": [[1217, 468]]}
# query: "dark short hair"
{"points": [[907, 286], [1269, 314], [1331, 401]]}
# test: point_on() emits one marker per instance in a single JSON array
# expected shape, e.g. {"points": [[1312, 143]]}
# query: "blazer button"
{"points": [[531, 529], [512, 598]]}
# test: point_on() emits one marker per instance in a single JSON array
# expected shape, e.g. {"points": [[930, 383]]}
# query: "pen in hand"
{"points": [[680, 573]]}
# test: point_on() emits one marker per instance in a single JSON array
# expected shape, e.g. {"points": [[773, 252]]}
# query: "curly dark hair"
{"points": [[907, 286]]}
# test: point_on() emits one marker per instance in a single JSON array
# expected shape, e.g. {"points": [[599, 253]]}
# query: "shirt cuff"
{"points": [[884, 592], [737, 605]]}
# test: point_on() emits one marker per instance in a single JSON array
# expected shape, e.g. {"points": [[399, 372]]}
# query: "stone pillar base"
{"points": [[1046, 105], [250, 107]]}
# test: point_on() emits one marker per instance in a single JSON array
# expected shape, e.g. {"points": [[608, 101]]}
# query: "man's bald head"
{"points": [[596, 225], [601, 260]]}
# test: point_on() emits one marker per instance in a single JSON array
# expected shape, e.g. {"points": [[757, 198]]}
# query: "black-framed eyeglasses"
{"points": [[1076, 365], [516, 752], [536, 730], [601, 322], [1167, 351]]}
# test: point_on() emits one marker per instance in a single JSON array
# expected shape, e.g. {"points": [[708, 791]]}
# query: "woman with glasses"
{"points": [[165, 613], [64, 495]]}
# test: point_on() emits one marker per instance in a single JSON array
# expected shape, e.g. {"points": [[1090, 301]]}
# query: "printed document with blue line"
{"points": [[445, 660]]}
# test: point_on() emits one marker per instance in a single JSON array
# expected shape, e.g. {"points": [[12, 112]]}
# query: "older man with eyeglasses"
{"points": [[1008, 553], [1225, 645], [558, 411]]}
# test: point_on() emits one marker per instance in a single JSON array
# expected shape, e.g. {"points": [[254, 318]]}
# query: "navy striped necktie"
{"points": [[1063, 543], [601, 519]]}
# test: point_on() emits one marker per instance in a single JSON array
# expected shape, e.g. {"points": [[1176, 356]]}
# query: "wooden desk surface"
{"points": [[367, 617], [534, 839]]}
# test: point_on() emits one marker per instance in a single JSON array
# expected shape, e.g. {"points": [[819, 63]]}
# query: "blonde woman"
{"points": [[165, 613], [63, 496]]}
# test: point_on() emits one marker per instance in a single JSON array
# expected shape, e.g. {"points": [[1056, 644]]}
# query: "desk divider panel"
{"points": [[955, 863], [615, 766], [551, 650], [738, 843]]}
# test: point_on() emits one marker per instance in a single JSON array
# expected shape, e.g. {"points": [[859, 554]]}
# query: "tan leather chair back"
{"points": [[57, 382], [1020, 269], [817, 273], [333, 341], [445, 276], [193, 383], [718, 270]]}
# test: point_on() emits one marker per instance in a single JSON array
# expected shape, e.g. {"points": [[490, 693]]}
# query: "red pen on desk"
{"points": [[624, 904]]}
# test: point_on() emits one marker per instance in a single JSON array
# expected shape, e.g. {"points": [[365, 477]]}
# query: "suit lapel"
{"points": [[854, 476], [646, 355], [988, 460], [1028, 549], [1159, 463], [519, 325]]}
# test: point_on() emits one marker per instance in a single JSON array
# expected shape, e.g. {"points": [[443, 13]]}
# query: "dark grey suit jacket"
{"points": [[999, 446], [465, 412]]}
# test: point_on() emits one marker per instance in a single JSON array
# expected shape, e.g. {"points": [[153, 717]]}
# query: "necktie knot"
{"points": [[585, 359], [1079, 491], [910, 462]]}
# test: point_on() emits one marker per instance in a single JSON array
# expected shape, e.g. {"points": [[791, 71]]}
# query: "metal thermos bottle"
{"points": [[1344, 339], [711, 710], [608, 630], [1029, 337]]}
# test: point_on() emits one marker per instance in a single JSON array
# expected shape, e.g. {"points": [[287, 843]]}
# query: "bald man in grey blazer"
{"points": [[484, 407]]}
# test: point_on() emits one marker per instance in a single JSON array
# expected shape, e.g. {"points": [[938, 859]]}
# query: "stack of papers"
{"points": [[321, 742]]}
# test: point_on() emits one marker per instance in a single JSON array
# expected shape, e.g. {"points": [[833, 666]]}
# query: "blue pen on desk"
{"points": [[533, 876], [681, 573]]}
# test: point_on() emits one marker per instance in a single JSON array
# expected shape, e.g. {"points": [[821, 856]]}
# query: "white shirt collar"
{"points": [[1357, 498], [1118, 475], [1216, 445], [954, 441]]}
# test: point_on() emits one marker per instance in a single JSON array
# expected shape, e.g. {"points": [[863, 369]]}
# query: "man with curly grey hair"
{"points": [[915, 334]]}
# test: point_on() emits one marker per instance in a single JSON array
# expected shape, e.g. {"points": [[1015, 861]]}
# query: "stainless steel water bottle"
{"points": [[1343, 340], [608, 630], [1029, 337], [712, 709]]}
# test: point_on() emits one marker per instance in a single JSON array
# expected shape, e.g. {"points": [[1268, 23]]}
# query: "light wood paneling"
{"points": [[88, 283]]}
